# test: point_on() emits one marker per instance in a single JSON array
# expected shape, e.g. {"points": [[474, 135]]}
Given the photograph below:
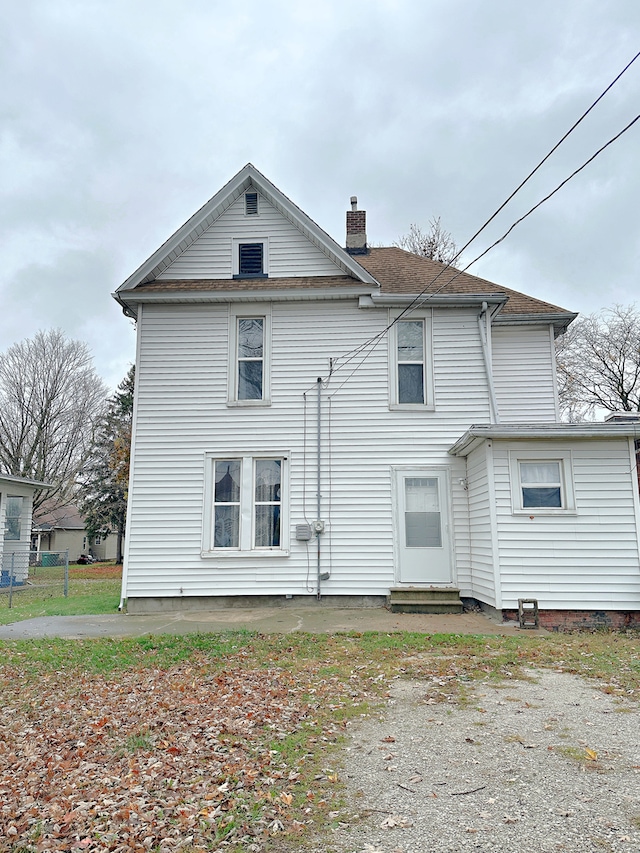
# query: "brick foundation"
{"points": [[583, 620]]}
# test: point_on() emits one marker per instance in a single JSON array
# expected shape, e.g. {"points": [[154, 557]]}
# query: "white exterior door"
{"points": [[422, 527]]}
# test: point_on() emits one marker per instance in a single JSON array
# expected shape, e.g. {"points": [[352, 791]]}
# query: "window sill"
{"points": [[412, 407], [546, 511], [235, 555], [244, 276], [243, 404]]}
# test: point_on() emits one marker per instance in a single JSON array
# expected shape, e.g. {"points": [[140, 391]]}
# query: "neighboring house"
{"points": [[63, 529], [306, 425], [16, 503]]}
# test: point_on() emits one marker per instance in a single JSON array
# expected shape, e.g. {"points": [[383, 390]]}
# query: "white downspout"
{"points": [[483, 320]]}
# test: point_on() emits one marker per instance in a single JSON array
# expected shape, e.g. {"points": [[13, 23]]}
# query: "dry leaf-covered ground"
{"points": [[163, 759], [224, 742]]}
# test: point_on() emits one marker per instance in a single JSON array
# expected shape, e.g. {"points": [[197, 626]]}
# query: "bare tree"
{"points": [[436, 243], [599, 363], [50, 397]]}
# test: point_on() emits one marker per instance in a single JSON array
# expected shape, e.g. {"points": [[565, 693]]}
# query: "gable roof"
{"points": [[248, 177], [385, 274], [50, 517]]}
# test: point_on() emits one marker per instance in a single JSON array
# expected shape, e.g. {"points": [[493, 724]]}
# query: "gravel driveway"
{"points": [[550, 764]]}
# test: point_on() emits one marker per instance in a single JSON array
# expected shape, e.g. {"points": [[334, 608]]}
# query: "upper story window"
{"points": [[541, 482], [251, 204], [249, 355], [13, 518], [250, 257], [250, 337], [411, 377]]}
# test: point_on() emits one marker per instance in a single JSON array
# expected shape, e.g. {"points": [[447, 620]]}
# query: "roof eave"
{"points": [[25, 481], [399, 300], [559, 320], [475, 435]]}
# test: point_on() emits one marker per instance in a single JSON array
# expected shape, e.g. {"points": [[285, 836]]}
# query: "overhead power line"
{"points": [[419, 300]]}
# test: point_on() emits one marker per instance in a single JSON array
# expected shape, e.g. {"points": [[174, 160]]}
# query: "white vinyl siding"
{"points": [[182, 413], [584, 560], [212, 256], [523, 360], [482, 525]]}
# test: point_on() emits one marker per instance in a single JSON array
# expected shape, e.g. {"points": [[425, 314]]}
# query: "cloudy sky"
{"points": [[119, 118]]}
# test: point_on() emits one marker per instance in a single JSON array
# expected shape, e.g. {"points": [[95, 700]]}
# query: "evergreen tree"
{"points": [[103, 487]]}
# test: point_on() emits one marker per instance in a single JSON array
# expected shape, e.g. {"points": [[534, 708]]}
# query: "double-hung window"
{"points": [[13, 518], [245, 511], [411, 377], [249, 356], [541, 482]]}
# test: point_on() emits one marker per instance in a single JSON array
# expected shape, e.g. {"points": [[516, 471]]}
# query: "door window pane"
{"points": [[423, 527]]}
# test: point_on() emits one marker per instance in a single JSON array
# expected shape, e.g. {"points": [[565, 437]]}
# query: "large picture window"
{"points": [[411, 378], [246, 505]]}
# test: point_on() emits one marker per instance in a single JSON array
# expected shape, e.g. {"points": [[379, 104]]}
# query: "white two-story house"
{"points": [[331, 424]]}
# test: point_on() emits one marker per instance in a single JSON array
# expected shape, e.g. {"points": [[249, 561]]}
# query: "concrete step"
{"points": [[424, 600]]}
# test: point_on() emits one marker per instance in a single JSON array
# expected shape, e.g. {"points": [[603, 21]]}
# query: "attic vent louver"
{"points": [[251, 204]]}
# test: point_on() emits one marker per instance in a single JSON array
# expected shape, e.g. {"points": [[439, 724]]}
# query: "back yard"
{"points": [[92, 589], [236, 741]]}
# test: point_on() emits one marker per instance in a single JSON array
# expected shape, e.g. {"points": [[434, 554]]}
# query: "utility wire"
{"points": [[419, 300], [356, 351], [423, 296]]}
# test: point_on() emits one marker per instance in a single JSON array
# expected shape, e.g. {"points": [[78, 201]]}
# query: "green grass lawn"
{"points": [[92, 589]]}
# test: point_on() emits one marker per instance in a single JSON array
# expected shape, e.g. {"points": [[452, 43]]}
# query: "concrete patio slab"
{"points": [[265, 620]]}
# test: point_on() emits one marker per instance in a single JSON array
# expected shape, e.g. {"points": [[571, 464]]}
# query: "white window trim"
{"points": [[565, 459], [238, 312], [247, 505], [235, 253], [426, 315]]}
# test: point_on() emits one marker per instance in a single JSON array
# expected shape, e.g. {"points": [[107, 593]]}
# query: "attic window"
{"points": [[251, 204]]}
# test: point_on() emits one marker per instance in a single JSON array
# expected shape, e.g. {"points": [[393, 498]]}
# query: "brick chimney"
{"points": [[356, 229]]}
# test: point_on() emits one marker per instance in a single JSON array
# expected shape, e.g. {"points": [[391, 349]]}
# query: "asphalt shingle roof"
{"points": [[398, 272]]}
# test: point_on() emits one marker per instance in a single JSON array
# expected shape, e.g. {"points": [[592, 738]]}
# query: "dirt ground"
{"points": [[551, 764]]}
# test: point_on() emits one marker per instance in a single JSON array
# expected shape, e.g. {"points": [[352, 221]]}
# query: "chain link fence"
{"points": [[24, 573]]}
